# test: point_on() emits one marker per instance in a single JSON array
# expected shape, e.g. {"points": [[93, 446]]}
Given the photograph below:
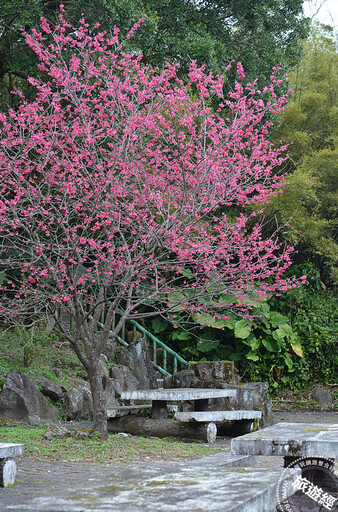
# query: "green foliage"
{"points": [[266, 348], [37, 354], [314, 316], [310, 122], [260, 34]]}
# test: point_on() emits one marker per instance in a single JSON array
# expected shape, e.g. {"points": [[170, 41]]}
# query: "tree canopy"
{"points": [[309, 123], [115, 192], [259, 33]]}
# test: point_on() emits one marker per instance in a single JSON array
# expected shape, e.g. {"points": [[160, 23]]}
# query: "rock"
{"points": [[203, 370], [124, 379], [56, 432], [208, 371], [51, 389], [82, 433], [225, 371], [77, 403], [103, 367], [110, 348], [182, 379], [137, 358], [21, 399], [322, 396], [110, 394]]}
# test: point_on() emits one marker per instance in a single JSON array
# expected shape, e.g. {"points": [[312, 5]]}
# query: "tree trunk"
{"points": [[99, 400]]}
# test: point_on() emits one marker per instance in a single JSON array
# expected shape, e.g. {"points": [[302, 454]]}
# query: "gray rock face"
{"points": [[21, 399], [78, 402], [253, 396], [124, 379], [136, 357], [182, 379], [51, 389], [110, 394], [322, 396], [211, 371]]}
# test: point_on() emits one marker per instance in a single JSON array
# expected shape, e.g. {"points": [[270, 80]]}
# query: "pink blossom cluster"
{"points": [[118, 184]]}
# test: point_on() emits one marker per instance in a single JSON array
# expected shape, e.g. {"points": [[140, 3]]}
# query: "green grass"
{"points": [[37, 354], [118, 450]]}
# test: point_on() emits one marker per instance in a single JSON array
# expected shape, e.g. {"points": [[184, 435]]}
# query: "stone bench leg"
{"points": [[7, 472], [211, 432]]}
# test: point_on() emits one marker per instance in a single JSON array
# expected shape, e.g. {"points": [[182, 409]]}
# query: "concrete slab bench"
{"points": [[290, 439], [312, 447], [7, 464], [213, 417]]}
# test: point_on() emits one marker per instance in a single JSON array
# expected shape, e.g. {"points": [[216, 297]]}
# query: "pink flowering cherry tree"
{"points": [[117, 190]]}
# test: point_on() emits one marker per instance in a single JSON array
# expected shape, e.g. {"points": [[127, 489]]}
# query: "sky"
{"points": [[327, 11]]}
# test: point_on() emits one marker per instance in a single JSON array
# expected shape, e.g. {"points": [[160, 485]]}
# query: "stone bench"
{"points": [[211, 417], [7, 464], [290, 440]]}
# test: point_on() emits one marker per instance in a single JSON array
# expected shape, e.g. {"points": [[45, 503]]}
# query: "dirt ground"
{"points": [[37, 479]]}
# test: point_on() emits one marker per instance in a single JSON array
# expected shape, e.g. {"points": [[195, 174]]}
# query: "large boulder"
{"points": [[122, 379], [110, 394], [181, 379], [214, 371], [78, 403], [321, 395], [50, 389], [21, 399], [137, 358]]}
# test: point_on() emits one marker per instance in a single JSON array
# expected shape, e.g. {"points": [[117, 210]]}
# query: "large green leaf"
{"points": [[277, 319], [175, 299], [242, 329], [285, 330], [180, 335], [207, 346], [254, 343], [227, 298], [297, 348], [289, 363], [269, 345], [187, 273], [253, 356], [236, 357], [158, 325]]}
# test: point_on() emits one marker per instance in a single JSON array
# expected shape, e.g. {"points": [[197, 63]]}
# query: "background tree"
{"points": [[114, 195], [310, 123], [260, 33]]}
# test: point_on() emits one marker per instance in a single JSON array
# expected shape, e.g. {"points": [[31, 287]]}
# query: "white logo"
{"points": [[318, 481]]}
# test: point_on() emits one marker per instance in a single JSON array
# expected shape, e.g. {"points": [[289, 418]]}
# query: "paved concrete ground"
{"points": [[79, 487]]}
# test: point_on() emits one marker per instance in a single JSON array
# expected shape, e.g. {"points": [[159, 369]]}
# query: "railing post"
{"points": [[164, 359], [154, 351]]}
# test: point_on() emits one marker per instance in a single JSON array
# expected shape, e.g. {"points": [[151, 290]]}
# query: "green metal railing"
{"points": [[170, 360], [169, 356]]}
